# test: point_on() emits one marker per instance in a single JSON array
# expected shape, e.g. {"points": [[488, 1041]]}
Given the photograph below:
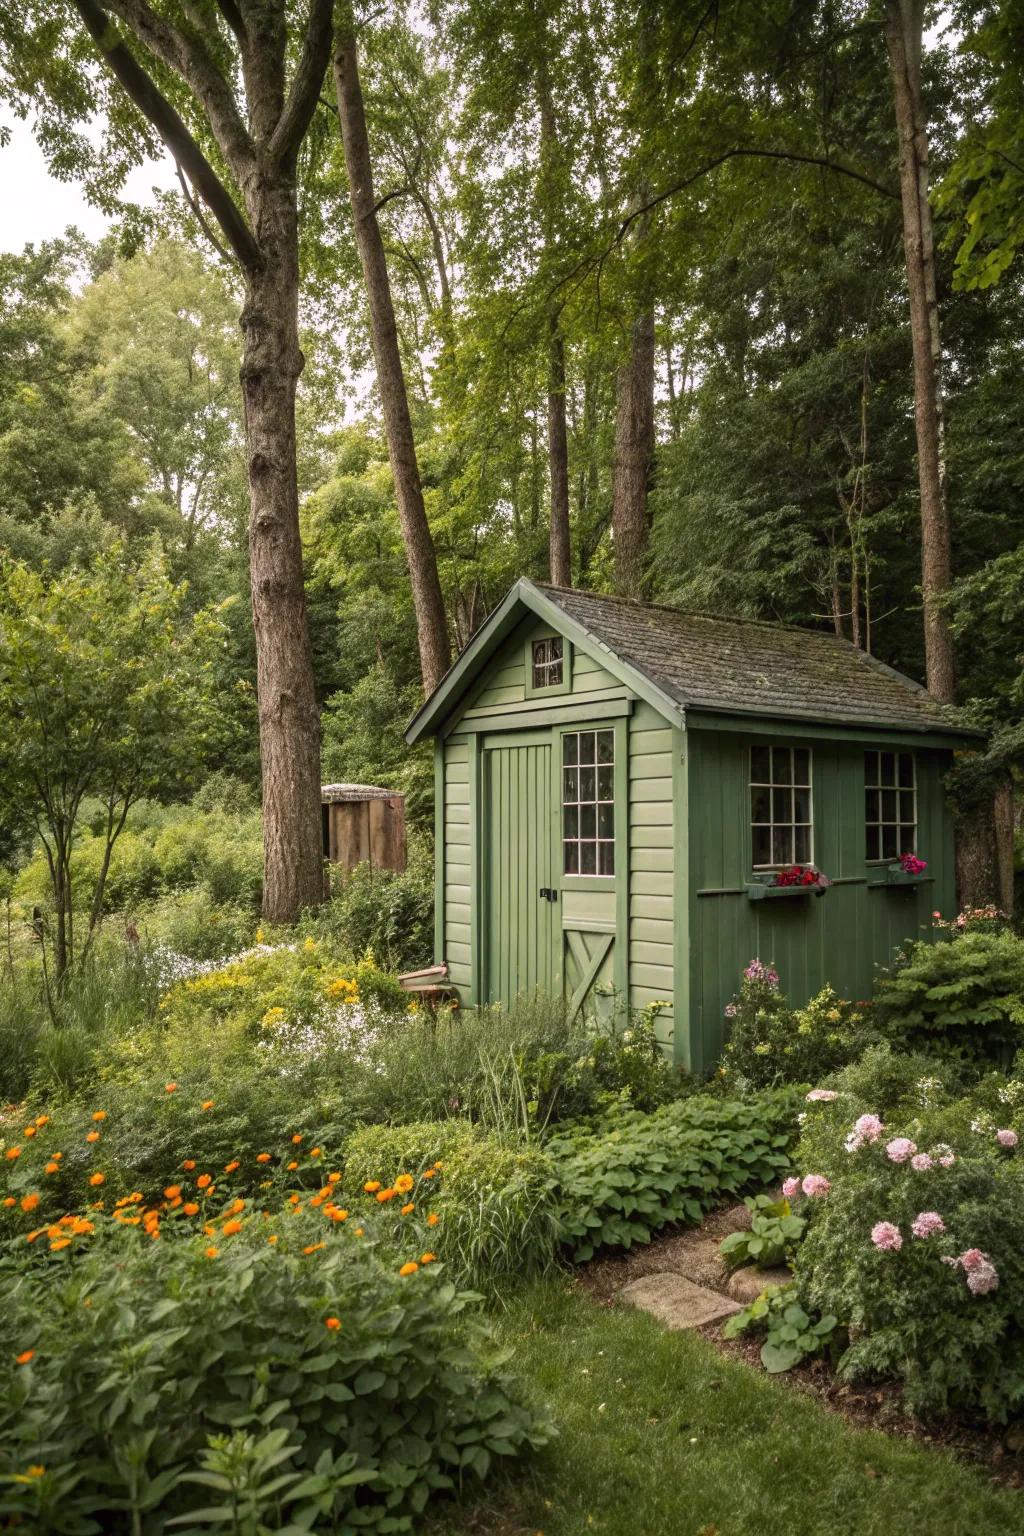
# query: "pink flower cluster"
{"points": [[755, 971], [822, 1096], [1007, 1138], [900, 1150], [866, 1130], [922, 1162], [887, 1237], [791, 1188], [981, 1273], [813, 1185], [912, 865], [927, 1223]]}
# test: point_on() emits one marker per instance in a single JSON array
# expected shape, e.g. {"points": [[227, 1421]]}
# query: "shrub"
{"points": [[792, 1334], [885, 1079], [305, 1384], [494, 1199], [915, 1243], [621, 1183], [962, 996], [380, 910], [769, 1042], [773, 1233]]}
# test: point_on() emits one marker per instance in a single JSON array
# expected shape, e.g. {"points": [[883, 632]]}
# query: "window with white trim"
{"points": [[780, 806], [890, 805], [547, 662], [588, 802]]}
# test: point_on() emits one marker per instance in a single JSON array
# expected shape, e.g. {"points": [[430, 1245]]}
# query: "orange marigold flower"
{"points": [[408, 1269], [56, 1156], [52, 1168], [93, 1136], [429, 1173], [170, 1087], [337, 1214], [294, 1199], [292, 1167], [334, 1178], [189, 1164], [30, 1202], [206, 1104], [99, 1114], [312, 1247], [297, 1137], [172, 1191], [408, 1209], [231, 1227], [203, 1180], [404, 1183], [433, 1219], [372, 1186], [42, 1119], [263, 1157], [190, 1208], [232, 1166], [59, 1243], [236, 1206], [10, 1201], [314, 1152], [97, 1178], [37, 1470], [212, 1252], [272, 1238], [12, 1153], [25, 1356], [383, 1195], [428, 1258], [333, 1323], [29, 1130]]}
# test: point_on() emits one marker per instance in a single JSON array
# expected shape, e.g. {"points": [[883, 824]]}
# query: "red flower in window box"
{"points": [[801, 874], [912, 865]]}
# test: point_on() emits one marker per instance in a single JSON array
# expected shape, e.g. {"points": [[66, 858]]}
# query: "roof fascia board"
{"points": [[760, 723], [496, 628]]}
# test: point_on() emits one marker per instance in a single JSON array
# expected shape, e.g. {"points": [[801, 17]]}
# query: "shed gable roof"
{"points": [[682, 661]]}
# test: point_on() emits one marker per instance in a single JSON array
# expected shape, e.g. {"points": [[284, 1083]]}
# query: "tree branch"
{"points": [[233, 16], [155, 107], [309, 77], [197, 212]]}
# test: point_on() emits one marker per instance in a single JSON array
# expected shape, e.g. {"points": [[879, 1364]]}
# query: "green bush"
{"points": [[915, 1244], [389, 914], [145, 1382], [493, 1199], [962, 996], [885, 1079], [792, 1334], [621, 1183], [773, 1233], [770, 1042]]}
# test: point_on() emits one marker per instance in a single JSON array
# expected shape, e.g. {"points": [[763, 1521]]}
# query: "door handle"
{"points": [[547, 894]]}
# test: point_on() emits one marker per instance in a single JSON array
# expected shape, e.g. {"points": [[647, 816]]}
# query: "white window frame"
{"points": [[877, 786], [578, 804], [552, 668], [771, 786]]}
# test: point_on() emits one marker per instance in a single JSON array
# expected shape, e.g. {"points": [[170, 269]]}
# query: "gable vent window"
{"points": [[780, 806], [588, 803], [547, 662], [890, 804]]}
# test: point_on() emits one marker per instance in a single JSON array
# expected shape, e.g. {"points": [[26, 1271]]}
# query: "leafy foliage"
{"points": [[773, 1233], [964, 996], [770, 1042], [792, 1335]]}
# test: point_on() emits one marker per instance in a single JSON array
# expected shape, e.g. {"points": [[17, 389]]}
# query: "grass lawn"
{"points": [[659, 1435]]}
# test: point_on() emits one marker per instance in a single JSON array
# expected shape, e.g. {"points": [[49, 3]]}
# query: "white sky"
{"points": [[37, 207]]}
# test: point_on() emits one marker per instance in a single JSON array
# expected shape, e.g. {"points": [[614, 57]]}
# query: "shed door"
{"points": [[520, 926]]}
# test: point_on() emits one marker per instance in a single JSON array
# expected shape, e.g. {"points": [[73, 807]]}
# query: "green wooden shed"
{"points": [[619, 786]]}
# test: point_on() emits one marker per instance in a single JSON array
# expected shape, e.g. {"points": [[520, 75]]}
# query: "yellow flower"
{"points": [[408, 1269], [404, 1183], [309, 946], [29, 1131], [384, 1195], [37, 1470], [371, 1186], [273, 1017], [292, 1167], [272, 1239], [259, 935], [42, 1119], [315, 1152]]}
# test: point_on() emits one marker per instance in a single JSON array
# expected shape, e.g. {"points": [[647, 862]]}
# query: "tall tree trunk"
{"points": [[634, 454], [289, 721], [903, 28], [428, 603], [560, 556]]}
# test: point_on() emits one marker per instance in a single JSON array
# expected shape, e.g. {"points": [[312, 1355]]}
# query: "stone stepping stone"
{"points": [[745, 1285], [677, 1302]]}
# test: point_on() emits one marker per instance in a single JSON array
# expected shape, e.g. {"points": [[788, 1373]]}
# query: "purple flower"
{"points": [[887, 1237], [922, 1162], [822, 1096], [1007, 1138], [790, 1188], [901, 1149], [926, 1223], [756, 971], [815, 1184]]}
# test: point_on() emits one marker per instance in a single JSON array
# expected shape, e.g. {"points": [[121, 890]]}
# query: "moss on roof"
{"points": [[751, 666]]}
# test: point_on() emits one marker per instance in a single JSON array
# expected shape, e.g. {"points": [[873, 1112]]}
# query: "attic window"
{"points": [[780, 806], [547, 662], [890, 805]]}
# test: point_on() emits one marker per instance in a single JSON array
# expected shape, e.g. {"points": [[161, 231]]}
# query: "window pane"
{"points": [[801, 766], [782, 845], [571, 821], [606, 860], [762, 842], [888, 805], [606, 820], [782, 805], [606, 746], [555, 648], [801, 805], [571, 747], [760, 765], [907, 840], [871, 805], [872, 843], [572, 858], [802, 838], [570, 784], [587, 746], [538, 675], [588, 821], [588, 858], [606, 783], [906, 805], [782, 765], [587, 782], [760, 805], [871, 767], [906, 770], [888, 760], [890, 842]]}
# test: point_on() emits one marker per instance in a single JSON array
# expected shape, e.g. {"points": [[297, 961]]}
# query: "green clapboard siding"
{"points": [[503, 683], [837, 938], [651, 867], [454, 868]]}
